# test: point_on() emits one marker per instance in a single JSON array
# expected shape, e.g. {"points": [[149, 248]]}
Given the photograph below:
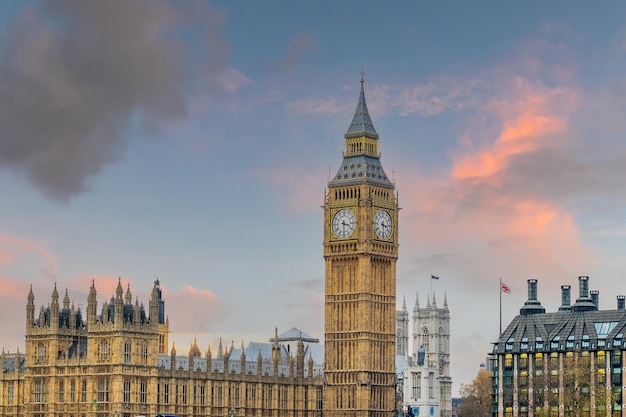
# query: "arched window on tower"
{"points": [[41, 353], [144, 352], [128, 346], [425, 338], [104, 350], [441, 335]]}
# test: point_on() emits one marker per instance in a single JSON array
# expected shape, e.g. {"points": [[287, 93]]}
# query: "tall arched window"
{"points": [[441, 335], [104, 350], [425, 338], [144, 352], [128, 346], [41, 353]]}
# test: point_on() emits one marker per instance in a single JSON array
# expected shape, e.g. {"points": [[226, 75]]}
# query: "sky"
{"points": [[191, 142]]}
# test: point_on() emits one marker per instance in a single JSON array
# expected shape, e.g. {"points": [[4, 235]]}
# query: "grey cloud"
{"points": [[565, 176], [77, 77], [562, 175]]}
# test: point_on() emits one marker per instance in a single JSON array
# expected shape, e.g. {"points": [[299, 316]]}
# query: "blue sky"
{"points": [[192, 142]]}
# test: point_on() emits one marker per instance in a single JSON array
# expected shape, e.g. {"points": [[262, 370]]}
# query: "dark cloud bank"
{"points": [[75, 75]]}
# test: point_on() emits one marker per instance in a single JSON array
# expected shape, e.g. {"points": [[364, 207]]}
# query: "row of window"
{"points": [[570, 343], [40, 390], [103, 352]]}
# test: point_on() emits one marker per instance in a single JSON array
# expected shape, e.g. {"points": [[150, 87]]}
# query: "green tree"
{"points": [[476, 396]]}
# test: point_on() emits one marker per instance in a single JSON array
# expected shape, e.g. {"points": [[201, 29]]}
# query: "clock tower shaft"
{"points": [[360, 283]]}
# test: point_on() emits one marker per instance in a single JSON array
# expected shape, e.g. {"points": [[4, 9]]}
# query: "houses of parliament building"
{"points": [[115, 360]]}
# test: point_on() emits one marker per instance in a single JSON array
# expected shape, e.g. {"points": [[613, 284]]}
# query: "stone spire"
{"points": [[128, 297], [54, 308], [66, 301], [417, 302], [30, 308], [92, 304]]}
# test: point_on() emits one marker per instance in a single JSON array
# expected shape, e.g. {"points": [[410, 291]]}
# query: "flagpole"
{"points": [[500, 291]]}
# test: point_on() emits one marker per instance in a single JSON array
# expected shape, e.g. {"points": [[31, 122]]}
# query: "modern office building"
{"points": [[568, 362]]}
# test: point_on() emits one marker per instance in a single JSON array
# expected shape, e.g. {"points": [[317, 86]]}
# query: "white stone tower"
{"points": [[402, 331], [427, 381]]}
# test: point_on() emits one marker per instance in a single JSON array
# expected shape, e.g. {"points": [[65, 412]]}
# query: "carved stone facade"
{"points": [[360, 250], [115, 363], [427, 385]]}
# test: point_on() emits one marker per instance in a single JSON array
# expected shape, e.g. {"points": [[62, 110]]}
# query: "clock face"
{"points": [[382, 224], [344, 223]]}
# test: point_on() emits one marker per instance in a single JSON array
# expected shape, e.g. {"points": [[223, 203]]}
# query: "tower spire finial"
{"points": [[362, 75]]}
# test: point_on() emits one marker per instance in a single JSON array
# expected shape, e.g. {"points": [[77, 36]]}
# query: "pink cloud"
{"points": [[12, 248], [481, 218], [191, 309], [295, 186]]}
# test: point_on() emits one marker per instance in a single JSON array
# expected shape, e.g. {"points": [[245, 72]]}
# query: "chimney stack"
{"points": [[565, 298], [584, 302], [621, 305], [595, 298], [532, 306]]}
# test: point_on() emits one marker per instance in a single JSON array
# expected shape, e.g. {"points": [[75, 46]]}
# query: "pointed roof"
{"points": [[361, 161], [361, 122]]}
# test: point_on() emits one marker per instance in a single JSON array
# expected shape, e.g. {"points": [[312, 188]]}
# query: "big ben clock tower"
{"points": [[360, 250]]}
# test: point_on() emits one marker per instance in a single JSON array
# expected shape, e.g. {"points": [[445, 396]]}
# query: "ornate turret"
{"points": [[173, 357], [128, 296], [220, 351], [310, 365], [242, 359], [300, 358], [209, 358], [54, 308], [119, 303], [157, 305], [66, 301], [92, 304], [30, 308]]}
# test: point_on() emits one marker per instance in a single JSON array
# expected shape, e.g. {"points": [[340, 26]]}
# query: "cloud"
{"points": [[328, 106], [14, 251], [295, 186], [192, 309], [435, 97], [299, 45], [506, 205], [76, 79]]}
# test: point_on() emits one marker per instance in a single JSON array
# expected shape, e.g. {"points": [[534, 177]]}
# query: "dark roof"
{"points": [[361, 122], [564, 331]]}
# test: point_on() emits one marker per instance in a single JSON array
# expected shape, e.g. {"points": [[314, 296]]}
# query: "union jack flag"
{"points": [[505, 288]]}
